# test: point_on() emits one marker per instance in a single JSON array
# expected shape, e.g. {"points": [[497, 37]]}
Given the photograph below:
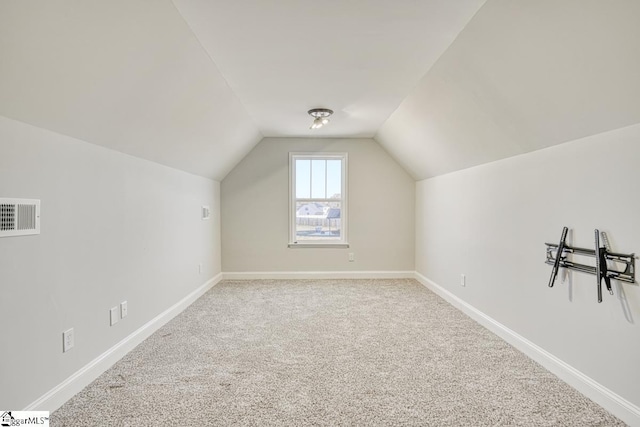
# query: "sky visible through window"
{"points": [[318, 178]]}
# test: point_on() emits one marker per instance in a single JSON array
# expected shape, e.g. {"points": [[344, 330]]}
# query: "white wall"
{"points": [[255, 203], [114, 228], [491, 222]]}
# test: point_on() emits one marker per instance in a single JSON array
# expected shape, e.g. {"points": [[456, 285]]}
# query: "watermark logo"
{"points": [[24, 418]]}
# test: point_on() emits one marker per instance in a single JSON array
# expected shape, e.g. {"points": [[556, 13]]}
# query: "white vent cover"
{"points": [[19, 217], [206, 212]]}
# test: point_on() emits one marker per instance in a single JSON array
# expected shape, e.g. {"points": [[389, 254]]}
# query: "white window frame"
{"points": [[343, 242]]}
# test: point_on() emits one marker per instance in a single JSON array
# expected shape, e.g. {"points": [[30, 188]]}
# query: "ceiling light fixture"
{"points": [[320, 117]]}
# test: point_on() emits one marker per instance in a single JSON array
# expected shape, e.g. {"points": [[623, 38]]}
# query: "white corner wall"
{"points": [[255, 216], [490, 222], [113, 228]]}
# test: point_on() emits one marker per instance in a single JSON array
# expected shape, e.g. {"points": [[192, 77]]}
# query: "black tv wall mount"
{"points": [[557, 256]]}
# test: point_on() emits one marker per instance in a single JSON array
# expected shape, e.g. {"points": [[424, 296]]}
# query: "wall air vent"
{"points": [[19, 217]]}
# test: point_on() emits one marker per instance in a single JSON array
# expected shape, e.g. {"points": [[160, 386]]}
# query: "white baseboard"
{"points": [[282, 275], [64, 391], [612, 402]]}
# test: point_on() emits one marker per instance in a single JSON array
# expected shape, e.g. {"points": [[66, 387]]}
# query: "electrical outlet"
{"points": [[67, 340], [463, 280], [123, 309], [352, 257], [113, 313]]}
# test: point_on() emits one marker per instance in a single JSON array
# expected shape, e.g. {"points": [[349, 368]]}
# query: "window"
{"points": [[318, 199]]}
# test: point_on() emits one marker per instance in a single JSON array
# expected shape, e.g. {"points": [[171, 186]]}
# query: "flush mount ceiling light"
{"points": [[320, 117]]}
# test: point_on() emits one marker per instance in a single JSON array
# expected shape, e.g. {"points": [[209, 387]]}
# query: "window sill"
{"points": [[319, 245]]}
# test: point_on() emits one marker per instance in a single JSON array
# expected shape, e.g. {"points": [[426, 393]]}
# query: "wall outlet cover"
{"points": [[114, 315], [68, 340]]}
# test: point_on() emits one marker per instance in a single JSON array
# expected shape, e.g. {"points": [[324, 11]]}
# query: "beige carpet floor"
{"points": [[326, 353]]}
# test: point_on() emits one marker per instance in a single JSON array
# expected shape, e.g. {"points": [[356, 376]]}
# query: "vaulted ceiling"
{"points": [[442, 85], [521, 76]]}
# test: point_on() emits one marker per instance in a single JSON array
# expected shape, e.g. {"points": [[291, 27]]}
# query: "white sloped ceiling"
{"points": [[443, 85], [360, 58], [521, 76], [129, 75]]}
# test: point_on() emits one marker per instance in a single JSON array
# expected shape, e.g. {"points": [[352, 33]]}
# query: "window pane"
{"points": [[318, 183], [334, 178], [318, 221], [320, 178], [303, 179]]}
